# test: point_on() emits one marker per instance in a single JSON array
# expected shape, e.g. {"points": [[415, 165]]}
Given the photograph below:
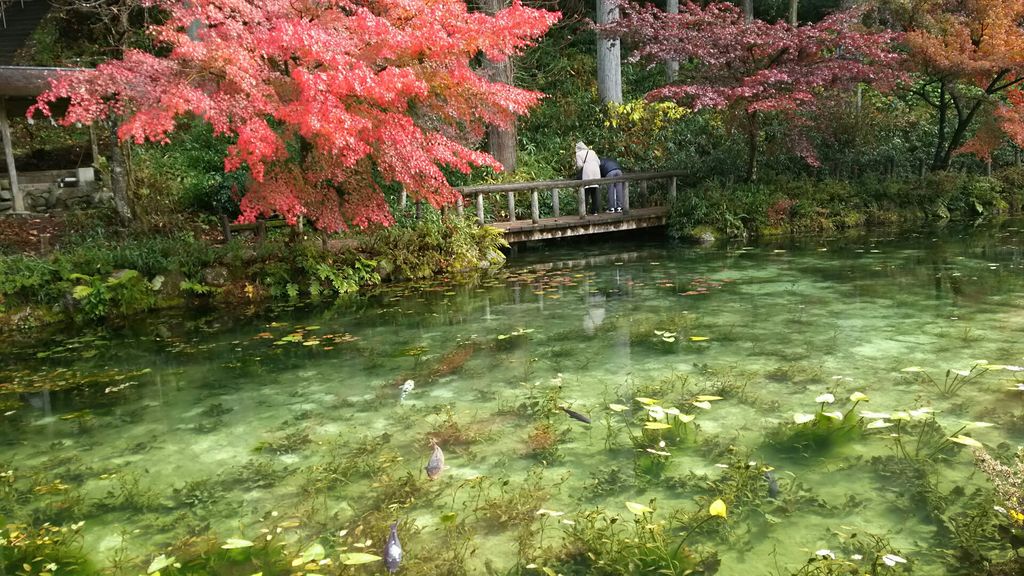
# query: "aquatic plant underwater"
{"points": [[777, 408]]}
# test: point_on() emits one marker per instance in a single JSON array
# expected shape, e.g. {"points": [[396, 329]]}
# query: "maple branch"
{"points": [[1017, 80], [991, 89]]}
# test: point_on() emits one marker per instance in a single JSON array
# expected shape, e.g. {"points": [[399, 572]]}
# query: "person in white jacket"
{"points": [[591, 169]]}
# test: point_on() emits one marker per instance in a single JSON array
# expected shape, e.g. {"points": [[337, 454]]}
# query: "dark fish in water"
{"points": [[435, 466], [773, 484], [393, 550], [575, 415]]}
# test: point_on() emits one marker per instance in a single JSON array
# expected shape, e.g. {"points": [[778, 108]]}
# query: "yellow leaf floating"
{"points": [[966, 441], [702, 404], [353, 558], [233, 543], [686, 418], [699, 338], [618, 407], [657, 425], [644, 400], [717, 508], [707, 398], [637, 508]]}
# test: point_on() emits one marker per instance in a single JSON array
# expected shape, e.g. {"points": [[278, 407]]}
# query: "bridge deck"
{"points": [[573, 225]]}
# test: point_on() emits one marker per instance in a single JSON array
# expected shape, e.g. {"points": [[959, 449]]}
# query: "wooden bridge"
{"points": [[647, 207]]}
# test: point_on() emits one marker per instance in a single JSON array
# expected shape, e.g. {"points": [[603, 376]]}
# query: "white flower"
{"points": [[825, 553], [857, 557], [892, 560], [837, 415], [1014, 368], [858, 397], [656, 412], [878, 424], [921, 413], [802, 418], [827, 397]]}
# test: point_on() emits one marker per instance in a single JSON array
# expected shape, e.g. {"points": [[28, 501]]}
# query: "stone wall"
{"points": [[54, 190]]}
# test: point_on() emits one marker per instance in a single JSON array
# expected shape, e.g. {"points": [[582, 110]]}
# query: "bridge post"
{"points": [[459, 206], [625, 198], [511, 206], [534, 207], [480, 208], [554, 202], [582, 195], [672, 191]]}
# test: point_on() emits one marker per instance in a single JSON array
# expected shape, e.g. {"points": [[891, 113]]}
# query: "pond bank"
{"points": [[101, 274]]}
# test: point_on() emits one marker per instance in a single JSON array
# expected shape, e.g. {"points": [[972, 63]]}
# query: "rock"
{"points": [[216, 276], [5, 206], [6, 194], [706, 238]]}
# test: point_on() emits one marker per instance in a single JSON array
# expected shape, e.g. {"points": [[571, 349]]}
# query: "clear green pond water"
{"points": [[179, 428]]}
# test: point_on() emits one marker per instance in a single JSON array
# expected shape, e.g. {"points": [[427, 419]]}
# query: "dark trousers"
{"points": [[593, 200]]}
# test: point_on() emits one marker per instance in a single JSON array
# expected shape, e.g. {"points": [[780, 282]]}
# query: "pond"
{"points": [[811, 385]]}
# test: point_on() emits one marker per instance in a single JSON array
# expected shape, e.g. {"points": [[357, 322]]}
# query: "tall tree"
{"points": [[757, 68], [609, 57], [324, 100], [501, 140], [970, 55]]}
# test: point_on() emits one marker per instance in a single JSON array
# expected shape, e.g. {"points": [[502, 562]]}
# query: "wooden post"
{"points": [[44, 243], [534, 207], [582, 202], [672, 191], [95, 146], [12, 172], [511, 206], [643, 190], [261, 231], [625, 198], [480, 208], [554, 202], [225, 227], [402, 199], [419, 209], [988, 167]]}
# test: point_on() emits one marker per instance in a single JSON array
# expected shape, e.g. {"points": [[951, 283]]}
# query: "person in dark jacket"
{"points": [[610, 169]]}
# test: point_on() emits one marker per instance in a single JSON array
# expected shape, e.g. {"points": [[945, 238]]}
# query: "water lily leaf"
{"points": [[668, 339], [966, 441], [836, 415], [699, 338], [159, 563], [637, 508], [312, 554], [912, 369], [702, 404], [686, 418], [801, 418], [644, 400], [618, 407], [878, 424], [353, 558], [233, 543], [717, 508], [858, 397], [707, 398], [657, 425]]}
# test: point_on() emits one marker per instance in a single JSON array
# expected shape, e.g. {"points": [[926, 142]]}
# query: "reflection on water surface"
{"points": [[695, 367]]}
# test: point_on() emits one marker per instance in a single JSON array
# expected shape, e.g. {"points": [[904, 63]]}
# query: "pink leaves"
{"points": [[320, 98]]}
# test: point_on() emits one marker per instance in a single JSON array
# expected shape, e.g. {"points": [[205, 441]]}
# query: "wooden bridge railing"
{"points": [[555, 186]]}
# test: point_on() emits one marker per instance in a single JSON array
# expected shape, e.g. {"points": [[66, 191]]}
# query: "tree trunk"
{"points": [[671, 66], [748, 11], [941, 138], [119, 178], [501, 141], [793, 5], [609, 66], [753, 131]]}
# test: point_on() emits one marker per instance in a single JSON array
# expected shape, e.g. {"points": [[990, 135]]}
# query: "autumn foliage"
{"points": [[758, 67], [324, 100], [970, 54]]}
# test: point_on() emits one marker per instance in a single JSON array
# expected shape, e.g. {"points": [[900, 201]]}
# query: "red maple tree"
{"points": [[324, 100], [758, 67]]}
